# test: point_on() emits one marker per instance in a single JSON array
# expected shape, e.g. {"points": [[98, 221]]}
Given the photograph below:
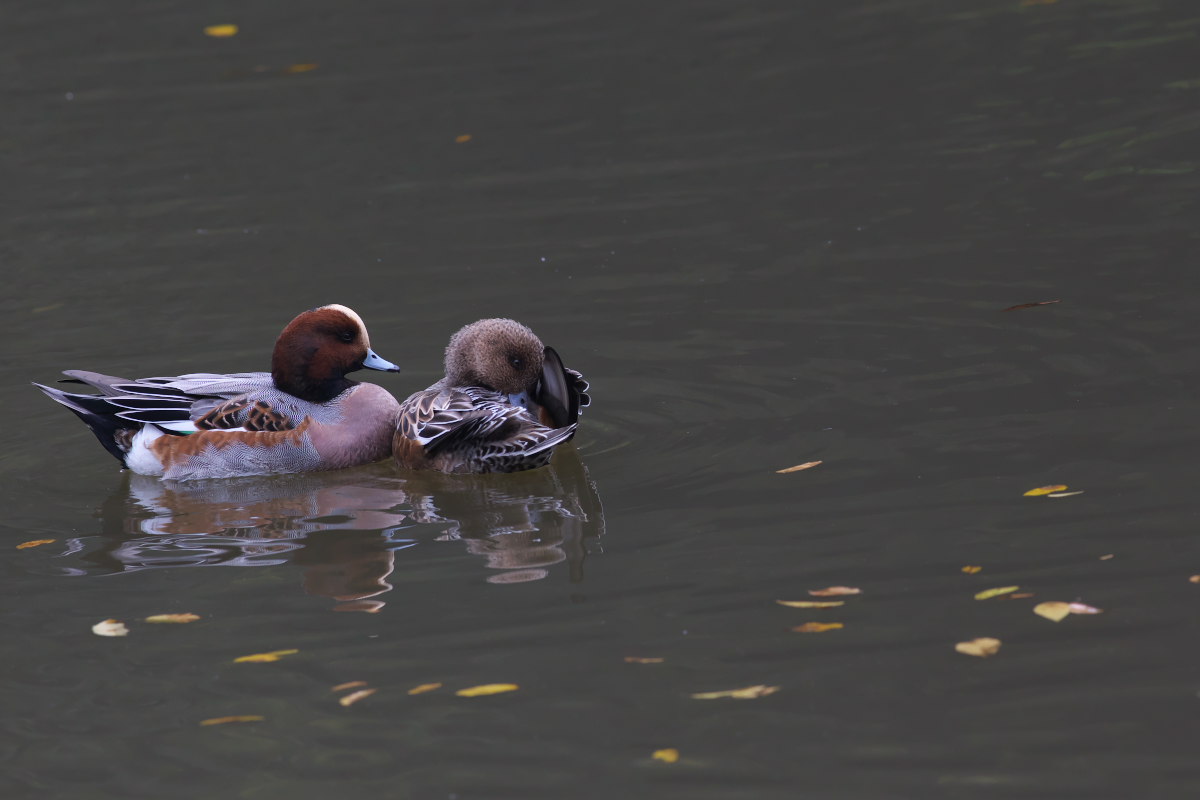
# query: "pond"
{"points": [[769, 233]]}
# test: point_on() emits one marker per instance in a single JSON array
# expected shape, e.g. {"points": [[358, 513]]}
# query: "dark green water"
{"points": [[768, 233]]}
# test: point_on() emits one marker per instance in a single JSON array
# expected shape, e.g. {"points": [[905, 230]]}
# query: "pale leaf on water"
{"points": [[1082, 608], [980, 648], [424, 687], [110, 627], [221, 31], [172, 619], [262, 658], [745, 693], [811, 603], [987, 594], [798, 467], [1041, 490], [341, 687], [818, 627], [834, 591], [642, 660], [226, 720], [486, 689], [1064, 494], [971, 569], [1053, 610], [354, 697], [668, 755]]}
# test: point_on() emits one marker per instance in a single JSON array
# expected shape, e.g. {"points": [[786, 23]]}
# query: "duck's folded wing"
{"points": [[439, 419]]}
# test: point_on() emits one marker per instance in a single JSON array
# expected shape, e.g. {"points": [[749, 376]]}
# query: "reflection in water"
{"points": [[345, 528]]}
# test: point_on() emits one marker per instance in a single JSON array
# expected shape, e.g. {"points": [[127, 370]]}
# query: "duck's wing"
{"points": [[438, 418]]}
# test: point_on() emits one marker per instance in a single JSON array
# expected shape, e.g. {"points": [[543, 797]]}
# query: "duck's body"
{"points": [[505, 404], [302, 416]]}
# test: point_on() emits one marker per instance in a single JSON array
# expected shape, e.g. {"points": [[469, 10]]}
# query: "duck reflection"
{"points": [[344, 528]]}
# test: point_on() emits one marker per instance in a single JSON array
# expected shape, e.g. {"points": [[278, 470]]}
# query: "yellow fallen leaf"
{"points": [[1109, 556], [110, 627], [262, 658], [424, 687], [971, 570], [1021, 596], [1041, 490], [818, 627], [999, 590], [1053, 610], [669, 755], [486, 689], [1064, 494], [798, 467], [640, 660], [221, 31], [173, 618], [834, 591], [811, 603], [982, 647], [1195, 579], [462, 138], [745, 693], [34, 543], [341, 687], [354, 697], [224, 720], [292, 69]]}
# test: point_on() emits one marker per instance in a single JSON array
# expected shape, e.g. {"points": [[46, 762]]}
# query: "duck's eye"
{"points": [[346, 336], [516, 361]]}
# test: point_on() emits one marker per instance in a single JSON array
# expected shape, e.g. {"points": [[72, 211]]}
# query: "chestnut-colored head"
{"points": [[500, 354], [318, 348]]}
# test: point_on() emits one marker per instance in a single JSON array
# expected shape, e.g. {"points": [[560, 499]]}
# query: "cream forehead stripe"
{"points": [[349, 312]]}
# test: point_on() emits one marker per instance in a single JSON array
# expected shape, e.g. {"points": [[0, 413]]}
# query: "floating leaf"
{"points": [[669, 755], [818, 627], [34, 543], [1195, 579], [225, 720], [292, 69], [834, 591], [811, 603], [1082, 608], [1108, 556], [354, 697], [1031, 305], [981, 648], [221, 31], [1064, 494], [1053, 610], [987, 594], [110, 627], [462, 138], [486, 689], [341, 687], [262, 658], [798, 467], [1041, 490], [178, 619], [745, 693], [424, 687], [640, 660], [1021, 596], [971, 569]]}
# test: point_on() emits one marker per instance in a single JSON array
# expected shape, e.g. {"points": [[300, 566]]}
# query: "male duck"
{"points": [[301, 416], [505, 404]]}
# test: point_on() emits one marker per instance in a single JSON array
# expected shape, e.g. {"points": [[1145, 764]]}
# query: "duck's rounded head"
{"points": [[318, 348], [500, 354]]}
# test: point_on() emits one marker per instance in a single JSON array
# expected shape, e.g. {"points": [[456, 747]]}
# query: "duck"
{"points": [[304, 415], [505, 403]]}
